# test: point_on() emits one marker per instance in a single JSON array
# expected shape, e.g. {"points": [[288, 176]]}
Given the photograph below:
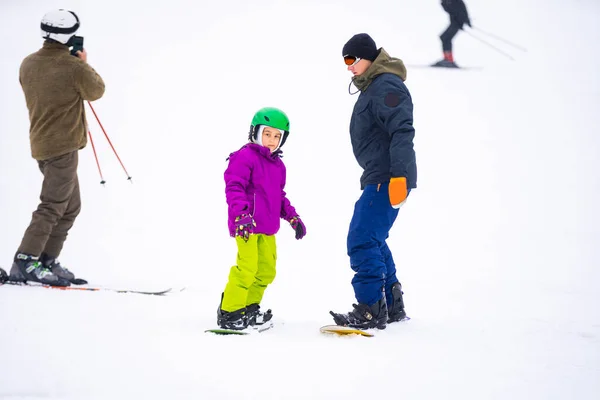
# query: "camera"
{"points": [[77, 43]]}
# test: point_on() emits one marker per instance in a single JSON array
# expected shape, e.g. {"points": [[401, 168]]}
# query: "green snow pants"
{"points": [[254, 271]]}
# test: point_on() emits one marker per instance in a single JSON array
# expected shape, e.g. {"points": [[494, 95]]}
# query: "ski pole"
{"points": [[490, 45], [102, 181], [109, 142], [516, 46]]}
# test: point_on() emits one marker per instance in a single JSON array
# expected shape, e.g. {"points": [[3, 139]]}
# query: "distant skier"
{"points": [[55, 84], [254, 188], [459, 16]]}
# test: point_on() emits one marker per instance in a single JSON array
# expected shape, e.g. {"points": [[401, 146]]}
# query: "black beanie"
{"points": [[362, 46]]}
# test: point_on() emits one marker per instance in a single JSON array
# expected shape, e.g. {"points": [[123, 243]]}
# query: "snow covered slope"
{"points": [[497, 249]]}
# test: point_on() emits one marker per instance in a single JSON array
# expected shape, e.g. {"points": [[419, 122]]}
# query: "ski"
{"points": [[92, 289], [467, 68]]}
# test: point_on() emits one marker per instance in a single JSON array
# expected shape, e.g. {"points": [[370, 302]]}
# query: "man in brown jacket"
{"points": [[55, 84]]}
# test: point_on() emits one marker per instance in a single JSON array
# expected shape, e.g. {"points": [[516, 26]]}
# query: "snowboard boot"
{"points": [[236, 320], [3, 276], [364, 316], [28, 268], [396, 310], [257, 317], [54, 265]]}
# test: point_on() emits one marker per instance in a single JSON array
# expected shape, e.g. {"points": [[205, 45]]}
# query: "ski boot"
{"points": [[445, 64], [364, 316], [3, 276], [396, 311], [54, 265], [257, 317], [28, 268]]}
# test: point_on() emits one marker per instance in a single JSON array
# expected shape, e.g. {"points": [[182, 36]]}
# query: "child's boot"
{"points": [[256, 316], [232, 320]]}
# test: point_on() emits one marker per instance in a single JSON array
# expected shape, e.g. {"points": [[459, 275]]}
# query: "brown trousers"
{"points": [[60, 204]]}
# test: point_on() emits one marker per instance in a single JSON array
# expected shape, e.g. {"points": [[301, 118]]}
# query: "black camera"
{"points": [[77, 43]]}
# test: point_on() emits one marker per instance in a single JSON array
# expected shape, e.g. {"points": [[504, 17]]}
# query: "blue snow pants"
{"points": [[370, 256]]}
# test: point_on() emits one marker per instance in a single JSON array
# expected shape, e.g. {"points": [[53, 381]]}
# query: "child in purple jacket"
{"points": [[254, 188]]}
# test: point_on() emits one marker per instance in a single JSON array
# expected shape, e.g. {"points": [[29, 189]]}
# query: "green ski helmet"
{"points": [[273, 117]]}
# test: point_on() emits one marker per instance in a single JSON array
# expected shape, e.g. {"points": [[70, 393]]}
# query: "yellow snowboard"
{"points": [[344, 330]]}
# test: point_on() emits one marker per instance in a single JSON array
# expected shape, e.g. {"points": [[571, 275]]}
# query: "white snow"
{"points": [[497, 249]]}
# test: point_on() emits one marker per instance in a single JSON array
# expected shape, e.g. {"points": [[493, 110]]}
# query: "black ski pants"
{"points": [[449, 34]]}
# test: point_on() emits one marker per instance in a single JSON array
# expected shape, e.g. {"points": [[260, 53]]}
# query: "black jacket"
{"points": [[381, 128], [458, 11]]}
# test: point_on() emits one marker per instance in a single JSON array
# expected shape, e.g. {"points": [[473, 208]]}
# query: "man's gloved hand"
{"points": [[397, 191], [244, 226], [298, 226]]}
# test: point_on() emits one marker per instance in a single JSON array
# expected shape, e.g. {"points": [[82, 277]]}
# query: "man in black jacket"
{"points": [[459, 16], [382, 133]]}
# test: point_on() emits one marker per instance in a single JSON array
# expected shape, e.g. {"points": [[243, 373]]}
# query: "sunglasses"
{"points": [[351, 60]]}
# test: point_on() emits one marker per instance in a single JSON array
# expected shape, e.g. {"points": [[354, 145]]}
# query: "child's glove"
{"points": [[397, 191], [298, 226], [244, 226]]}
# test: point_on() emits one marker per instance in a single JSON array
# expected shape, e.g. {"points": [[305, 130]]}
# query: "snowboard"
{"points": [[247, 331], [343, 331], [220, 331]]}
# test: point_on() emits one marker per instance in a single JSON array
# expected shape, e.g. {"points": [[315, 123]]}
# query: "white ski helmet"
{"points": [[60, 25]]}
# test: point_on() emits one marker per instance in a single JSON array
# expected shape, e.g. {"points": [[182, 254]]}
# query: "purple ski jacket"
{"points": [[254, 184]]}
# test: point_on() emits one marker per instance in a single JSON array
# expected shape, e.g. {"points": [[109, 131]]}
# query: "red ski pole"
{"points": [[109, 142], [102, 181]]}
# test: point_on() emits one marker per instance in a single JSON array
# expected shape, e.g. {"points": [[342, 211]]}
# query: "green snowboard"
{"points": [[220, 331], [247, 331]]}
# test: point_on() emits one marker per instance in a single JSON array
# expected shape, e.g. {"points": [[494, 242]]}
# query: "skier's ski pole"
{"points": [[490, 45], [109, 142], [516, 46], [102, 181]]}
